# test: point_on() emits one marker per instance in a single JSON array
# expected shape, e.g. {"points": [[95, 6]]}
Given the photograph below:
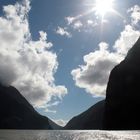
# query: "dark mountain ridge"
{"points": [[123, 93], [17, 113], [120, 110], [90, 119]]}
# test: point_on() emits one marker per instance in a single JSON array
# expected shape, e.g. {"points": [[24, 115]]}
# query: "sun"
{"points": [[102, 7]]}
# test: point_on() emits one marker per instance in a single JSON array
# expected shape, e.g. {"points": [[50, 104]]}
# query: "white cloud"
{"points": [[53, 104], [69, 20], [49, 105], [61, 122], [126, 40], [62, 31], [135, 14], [74, 23], [26, 64], [50, 111], [77, 25], [91, 23], [93, 76]]}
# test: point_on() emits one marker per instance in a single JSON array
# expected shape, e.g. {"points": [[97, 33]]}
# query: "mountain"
{"points": [[17, 113], [90, 119], [121, 108], [122, 104], [119, 111]]}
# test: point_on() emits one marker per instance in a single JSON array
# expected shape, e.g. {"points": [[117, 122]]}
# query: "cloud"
{"points": [[69, 20], [91, 23], [77, 25], [50, 111], [61, 122], [53, 104], [94, 73], [93, 76], [62, 31], [49, 105], [24, 63], [135, 14], [126, 40]]}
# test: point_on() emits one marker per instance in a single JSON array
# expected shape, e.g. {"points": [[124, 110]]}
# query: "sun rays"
{"points": [[102, 7]]}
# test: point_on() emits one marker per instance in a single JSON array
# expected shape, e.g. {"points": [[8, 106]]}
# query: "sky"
{"points": [[59, 54]]}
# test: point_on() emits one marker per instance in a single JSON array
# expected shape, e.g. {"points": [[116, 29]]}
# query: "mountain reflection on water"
{"points": [[68, 135]]}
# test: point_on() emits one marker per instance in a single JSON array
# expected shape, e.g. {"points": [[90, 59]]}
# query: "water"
{"points": [[68, 135]]}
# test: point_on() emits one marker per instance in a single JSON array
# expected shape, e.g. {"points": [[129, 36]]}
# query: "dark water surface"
{"points": [[68, 135]]}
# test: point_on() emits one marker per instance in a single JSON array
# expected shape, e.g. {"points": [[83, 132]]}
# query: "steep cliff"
{"points": [[122, 104]]}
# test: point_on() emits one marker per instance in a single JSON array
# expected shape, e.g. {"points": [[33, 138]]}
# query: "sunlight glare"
{"points": [[103, 6]]}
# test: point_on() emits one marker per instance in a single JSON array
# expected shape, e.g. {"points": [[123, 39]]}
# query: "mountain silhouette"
{"points": [[121, 108], [119, 111], [122, 104], [90, 119], [17, 113]]}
